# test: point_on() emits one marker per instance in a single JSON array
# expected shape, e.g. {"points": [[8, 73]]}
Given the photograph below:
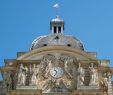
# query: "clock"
{"points": [[56, 72]]}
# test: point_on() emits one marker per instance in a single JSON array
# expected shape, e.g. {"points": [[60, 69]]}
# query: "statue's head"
{"points": [[79, 64], [34, 65], [92, 64]]}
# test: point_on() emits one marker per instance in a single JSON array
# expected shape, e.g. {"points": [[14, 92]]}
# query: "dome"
{"points": [[57, 19], [59, 39]]}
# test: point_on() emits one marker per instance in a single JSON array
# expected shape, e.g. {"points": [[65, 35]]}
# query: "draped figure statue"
{"points": [[81, 72], [21, 75], [33, 78], [94, 75]]}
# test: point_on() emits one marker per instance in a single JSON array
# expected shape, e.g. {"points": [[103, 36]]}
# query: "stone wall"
{"points": [[112, 84], [37, 92], [2, 88]]}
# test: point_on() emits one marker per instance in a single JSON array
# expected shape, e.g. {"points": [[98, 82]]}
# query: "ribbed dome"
{"points": [[57, 19], [57, 39]]}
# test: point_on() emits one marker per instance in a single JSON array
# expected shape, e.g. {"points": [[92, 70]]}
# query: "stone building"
{"points": [[56, 64]]}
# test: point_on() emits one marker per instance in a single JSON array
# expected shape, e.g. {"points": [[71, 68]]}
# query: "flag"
{"points": [[56, 5]]}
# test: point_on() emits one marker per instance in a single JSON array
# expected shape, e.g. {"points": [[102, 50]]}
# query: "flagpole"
{"points": [[56, 6]]}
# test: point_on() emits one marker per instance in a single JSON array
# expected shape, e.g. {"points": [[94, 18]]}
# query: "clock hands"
{"points": [[55, 72]]}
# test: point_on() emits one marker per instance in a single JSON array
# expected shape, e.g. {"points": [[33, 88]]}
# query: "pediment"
{"points": [[37, 54]]}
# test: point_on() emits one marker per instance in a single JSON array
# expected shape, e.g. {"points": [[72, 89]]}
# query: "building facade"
{"points": [[56, 64]]}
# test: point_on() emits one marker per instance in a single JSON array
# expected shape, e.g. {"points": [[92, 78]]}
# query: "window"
{"points": [[69, 45], [55, 29], [45, 45], [56, 37], [59, 29]]}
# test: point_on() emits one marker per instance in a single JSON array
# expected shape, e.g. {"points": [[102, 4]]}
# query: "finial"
{"points": [[56, 6]]}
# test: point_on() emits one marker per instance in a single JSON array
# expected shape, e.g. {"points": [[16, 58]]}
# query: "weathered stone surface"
{"points": [[57, 64], [2, 88], [26, 87]]}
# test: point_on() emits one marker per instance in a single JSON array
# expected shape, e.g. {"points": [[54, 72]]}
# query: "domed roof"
{"points": [[57, 19], [57, 39]]}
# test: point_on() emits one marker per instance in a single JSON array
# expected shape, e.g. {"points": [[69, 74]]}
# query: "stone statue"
{"points": [[55, 85], [109, 76], [81, 72], [94, 75], [49, 66], [68, 65], [109, 79], [8, 80], [42, 68], [48, 85], [33, 79], [22, 75], [105, 83], [60, 86]]}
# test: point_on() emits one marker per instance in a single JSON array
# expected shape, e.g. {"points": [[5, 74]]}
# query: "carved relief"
{"points": [[56, 73]]}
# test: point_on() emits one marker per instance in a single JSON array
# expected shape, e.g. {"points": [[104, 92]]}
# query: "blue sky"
{"points": [[21, 21]]}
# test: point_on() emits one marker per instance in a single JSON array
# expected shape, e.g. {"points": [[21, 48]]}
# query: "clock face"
{"points": [[56, 72]]}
